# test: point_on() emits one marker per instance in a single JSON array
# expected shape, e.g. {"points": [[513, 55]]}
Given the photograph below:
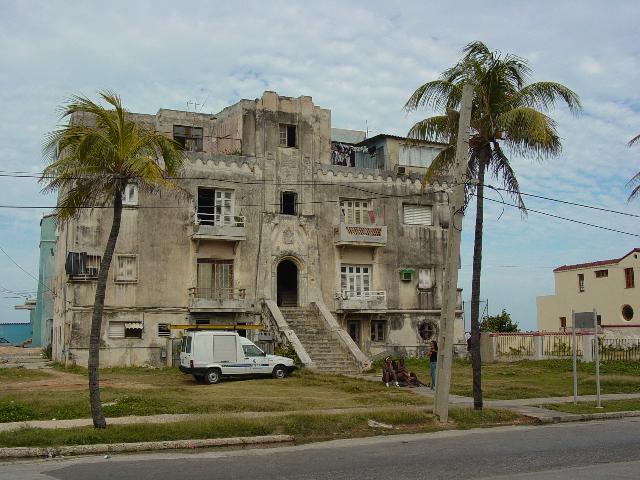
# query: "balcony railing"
{"points": [[360, 234], [361, 300], [218, 299], [218, 226], [218, 293], [218, 219]]}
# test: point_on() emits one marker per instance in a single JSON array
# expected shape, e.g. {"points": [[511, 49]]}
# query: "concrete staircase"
{"points": [[325, 350]]}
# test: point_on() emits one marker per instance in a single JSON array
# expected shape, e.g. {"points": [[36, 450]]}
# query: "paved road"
{"points": [[608, 449]]}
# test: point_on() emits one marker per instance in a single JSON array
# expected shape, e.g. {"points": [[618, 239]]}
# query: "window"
{"points": [[357, 212], [164, 330], [189, 138], [425, 278], [627, 313], [287, 135], [215, 279], [628, 278], [563, 322], [602, 273], [288, 203], [378, 330], [130, 195], [81, 266], [355, 279], [215, 206], [581, 282], [252, 351], [186, 344], [416, 156], [417, 215], [126, 268], [120, 329]]}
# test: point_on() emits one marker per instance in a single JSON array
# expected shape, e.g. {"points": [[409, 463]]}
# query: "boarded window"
{"points": [[288, 135], [416, 155], [425, 278], [417, 215], [189, 138], [116, 329], [288, 202], [126, 268], [629, 281]]}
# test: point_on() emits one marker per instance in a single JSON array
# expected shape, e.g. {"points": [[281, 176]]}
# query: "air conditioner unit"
{"points": [[400, 170]]}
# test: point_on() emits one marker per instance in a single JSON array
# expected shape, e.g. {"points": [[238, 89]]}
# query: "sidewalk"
{"points": [[532, 407]]}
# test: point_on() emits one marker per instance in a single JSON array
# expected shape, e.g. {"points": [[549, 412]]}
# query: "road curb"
{"points": [[581, 417], [25, 452]]}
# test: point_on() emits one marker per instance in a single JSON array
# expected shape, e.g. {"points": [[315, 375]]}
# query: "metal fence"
{"points": [[560, 345], [514, 346]]}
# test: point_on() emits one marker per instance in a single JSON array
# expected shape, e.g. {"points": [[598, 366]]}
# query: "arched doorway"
{"points": [[287, 284]]}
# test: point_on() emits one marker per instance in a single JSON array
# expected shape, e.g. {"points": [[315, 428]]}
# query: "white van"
{"points": [[210, 355]]}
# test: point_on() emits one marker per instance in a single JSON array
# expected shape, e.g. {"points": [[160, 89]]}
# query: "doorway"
{"points": [[353, 329], [287, 284]]}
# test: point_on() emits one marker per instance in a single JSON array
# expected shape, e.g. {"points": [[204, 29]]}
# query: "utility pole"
{"points": [[450, 286]]}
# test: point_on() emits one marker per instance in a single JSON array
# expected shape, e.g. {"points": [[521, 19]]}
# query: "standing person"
{"points": [[433, 362]]}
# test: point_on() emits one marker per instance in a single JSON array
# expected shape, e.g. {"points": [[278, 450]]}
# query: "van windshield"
{"points": [[186, 344]]}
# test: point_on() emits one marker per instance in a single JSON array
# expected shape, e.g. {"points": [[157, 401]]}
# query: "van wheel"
{"points": [[279, 372], [212, 376]]}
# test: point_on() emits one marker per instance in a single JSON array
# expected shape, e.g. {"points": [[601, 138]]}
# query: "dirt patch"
{"points": [[60, 381]]}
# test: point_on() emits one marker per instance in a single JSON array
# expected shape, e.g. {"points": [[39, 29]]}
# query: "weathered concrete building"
{"points": [[321, 235]]}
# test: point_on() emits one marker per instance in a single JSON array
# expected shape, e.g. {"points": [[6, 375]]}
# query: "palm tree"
{"points": [[506, 117], [634, 183], [90, 164]]}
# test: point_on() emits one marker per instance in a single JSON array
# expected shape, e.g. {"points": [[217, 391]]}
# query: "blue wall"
{"points": [[15, 332]]}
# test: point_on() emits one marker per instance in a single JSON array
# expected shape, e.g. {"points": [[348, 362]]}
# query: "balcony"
{"points": [[370, 300], [218, 300], [365, 235], [217, 226]]}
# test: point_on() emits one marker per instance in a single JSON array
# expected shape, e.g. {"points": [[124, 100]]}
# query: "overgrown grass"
{"points": [[305, 428], [531, 379], [180, 394], [21, 374], [590, 407]]}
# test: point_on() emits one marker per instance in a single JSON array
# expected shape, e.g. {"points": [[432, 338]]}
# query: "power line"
{"points": [[20, 267], [573, 220]]}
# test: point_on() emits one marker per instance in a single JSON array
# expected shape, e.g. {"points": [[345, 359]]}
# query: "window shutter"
{"points": [[417, 215], [116, 329]]}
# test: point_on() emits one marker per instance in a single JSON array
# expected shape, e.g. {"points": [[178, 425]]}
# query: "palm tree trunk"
{"points": [[476, 361], [96, 319]]}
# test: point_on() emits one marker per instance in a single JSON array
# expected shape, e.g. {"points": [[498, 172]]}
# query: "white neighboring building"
{"points": [[609, 286]]}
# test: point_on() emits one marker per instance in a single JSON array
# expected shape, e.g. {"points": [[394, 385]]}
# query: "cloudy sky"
{"points": [[362, 61]]}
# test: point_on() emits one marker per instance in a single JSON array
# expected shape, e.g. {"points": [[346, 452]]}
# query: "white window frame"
{"points": [[354, 211], [123, 278], [356, 278], [130, 195], [224, 206], [284, 135]]}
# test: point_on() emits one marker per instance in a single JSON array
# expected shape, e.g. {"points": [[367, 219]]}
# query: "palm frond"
{"points": [[435, 94], [501, 169], [529, 133], [634, 184], [441, 165], [434, 129], [545, 96], [633, 140]]}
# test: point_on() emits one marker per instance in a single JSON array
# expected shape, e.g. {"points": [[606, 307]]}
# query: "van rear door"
{"points": [[202, 349]]}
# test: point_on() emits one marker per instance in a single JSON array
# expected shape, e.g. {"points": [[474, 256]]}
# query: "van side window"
{"points": [[252, 351]]}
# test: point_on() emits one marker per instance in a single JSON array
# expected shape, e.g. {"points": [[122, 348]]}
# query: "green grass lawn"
{"points": [[150, 392], [304, 427], [589, 407], [20, 374], [531, 379]]}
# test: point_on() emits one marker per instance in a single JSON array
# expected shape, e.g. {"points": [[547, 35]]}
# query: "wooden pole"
{"points": [[450, 284]]}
